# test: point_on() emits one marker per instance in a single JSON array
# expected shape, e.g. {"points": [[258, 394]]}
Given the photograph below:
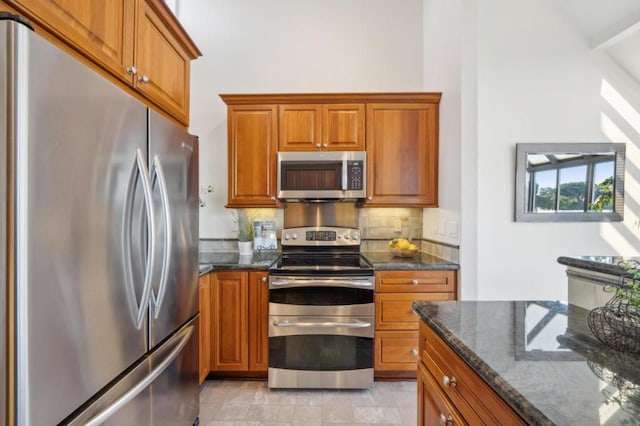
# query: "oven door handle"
{"points": [[352, 324], [328, 283]]}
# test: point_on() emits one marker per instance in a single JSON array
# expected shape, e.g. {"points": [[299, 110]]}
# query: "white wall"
{"points": [[441, 71], [538, 80], [282, 46]]}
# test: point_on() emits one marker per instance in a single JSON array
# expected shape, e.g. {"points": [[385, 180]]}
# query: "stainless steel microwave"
{"points": [[322, 175]]}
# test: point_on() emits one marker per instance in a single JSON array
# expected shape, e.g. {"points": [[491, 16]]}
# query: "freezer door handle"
{"points": [[138, 168], [181, 340], [168, 236]]}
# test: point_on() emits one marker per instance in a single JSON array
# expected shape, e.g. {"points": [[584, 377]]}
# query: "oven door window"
{"points": [[311, 176], [320, 296], [320, 343]]}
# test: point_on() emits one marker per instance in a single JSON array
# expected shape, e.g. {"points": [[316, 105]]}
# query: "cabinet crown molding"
{"points": [[302, 98]]}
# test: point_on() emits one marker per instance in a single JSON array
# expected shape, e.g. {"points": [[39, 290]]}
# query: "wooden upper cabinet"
{"points": [[321, 127], [343, 127], [402, 154], [139, 42], [300, 127], [162, 62], [252, 155], [100, 29]]}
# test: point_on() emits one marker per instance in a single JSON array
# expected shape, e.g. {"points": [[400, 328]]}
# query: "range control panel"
{"points": [[320, 236]]}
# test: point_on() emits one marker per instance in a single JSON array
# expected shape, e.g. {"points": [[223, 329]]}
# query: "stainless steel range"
{"points": [[321, 305]]}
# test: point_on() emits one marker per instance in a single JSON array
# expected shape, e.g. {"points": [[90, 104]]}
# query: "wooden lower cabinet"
{"points": [[205, 323], [239, 314], [396, 336], [433, 406], [448, 387]]}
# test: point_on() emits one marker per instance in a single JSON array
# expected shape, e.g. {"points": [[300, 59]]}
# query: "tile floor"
{"points": [[235, 403]]}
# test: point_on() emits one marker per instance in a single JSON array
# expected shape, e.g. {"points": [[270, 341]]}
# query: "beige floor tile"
{"points": [[252, 403]]}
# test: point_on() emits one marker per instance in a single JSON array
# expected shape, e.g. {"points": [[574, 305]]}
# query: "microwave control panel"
{"points": [[355, 175]]}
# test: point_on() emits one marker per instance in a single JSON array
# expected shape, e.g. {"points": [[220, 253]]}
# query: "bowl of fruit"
{"points": [[401, 247]]}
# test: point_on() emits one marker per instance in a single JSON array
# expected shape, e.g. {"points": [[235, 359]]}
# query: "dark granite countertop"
{"points": [[381, 261], [603, 264], [232, 260], [385, 261], [542, 359]]}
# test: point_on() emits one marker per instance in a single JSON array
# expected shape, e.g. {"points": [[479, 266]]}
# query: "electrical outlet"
{"points": [[397, 225], [452, 229]]}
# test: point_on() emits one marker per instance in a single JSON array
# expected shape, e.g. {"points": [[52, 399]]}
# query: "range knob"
{"points": [[347, 236], [295, 236], [286, 236], [356, 236]]}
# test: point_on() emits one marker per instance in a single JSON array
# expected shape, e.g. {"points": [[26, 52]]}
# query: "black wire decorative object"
{"points": [[617, 323]]}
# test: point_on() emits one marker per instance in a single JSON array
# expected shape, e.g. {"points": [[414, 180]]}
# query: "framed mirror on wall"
{"points": [[569, 182]]}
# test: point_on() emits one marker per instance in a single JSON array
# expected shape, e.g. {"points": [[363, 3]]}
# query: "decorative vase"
{"points": [[245, 248], [617, 325]]}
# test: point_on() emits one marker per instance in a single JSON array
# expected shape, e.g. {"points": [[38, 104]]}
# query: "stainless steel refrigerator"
{"points": [[99, 261]]}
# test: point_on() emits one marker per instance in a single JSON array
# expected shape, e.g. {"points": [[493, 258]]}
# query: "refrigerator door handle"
{"points": [[138, 168], [148, 198], [182, 339], [166, 258]]}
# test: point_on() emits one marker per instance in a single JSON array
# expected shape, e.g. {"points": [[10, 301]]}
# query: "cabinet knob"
{"points": [[324, 145], [414, 282], [449, 382], [273, 198], [369, 198], [143, 79], [414, 352], [446, 420], [318, 145], [264, 279], [132, 70]]}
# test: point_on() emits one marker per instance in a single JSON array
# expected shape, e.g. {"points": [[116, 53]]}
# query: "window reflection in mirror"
{"points": [[569, 182]]}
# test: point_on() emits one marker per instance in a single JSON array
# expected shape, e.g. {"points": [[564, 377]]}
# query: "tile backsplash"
{"points": [[388, 223]]}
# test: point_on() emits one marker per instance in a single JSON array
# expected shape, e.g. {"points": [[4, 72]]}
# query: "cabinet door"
{"points": [[402, 155], [300, 127], [229, 340], [162, 64], [343, 127], [434, 407], [205, 329], [100, 29], [252, 132], [258, 321]]}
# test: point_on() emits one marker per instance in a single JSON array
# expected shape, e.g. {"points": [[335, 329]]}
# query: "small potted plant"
{"points": [[617, 323], [244, 219]]}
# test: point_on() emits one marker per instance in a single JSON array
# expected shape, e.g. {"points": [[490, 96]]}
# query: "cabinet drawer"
{"points": [[468, 392], [396, 350], [416, 282], [394, 311]]}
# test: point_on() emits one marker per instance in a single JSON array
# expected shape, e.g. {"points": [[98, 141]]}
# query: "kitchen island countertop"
{"points": [[603, 264], [563, 376]]}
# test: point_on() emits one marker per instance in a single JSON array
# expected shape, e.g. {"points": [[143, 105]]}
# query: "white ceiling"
{"points": [[610, 25]]}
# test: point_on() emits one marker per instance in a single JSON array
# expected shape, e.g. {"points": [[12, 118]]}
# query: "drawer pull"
{"points": [[414, 352], [446, 420], [449, 382], [414, 282]]}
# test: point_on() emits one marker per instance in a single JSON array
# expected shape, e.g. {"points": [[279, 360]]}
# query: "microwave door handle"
{"points": [[344, 175]]}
